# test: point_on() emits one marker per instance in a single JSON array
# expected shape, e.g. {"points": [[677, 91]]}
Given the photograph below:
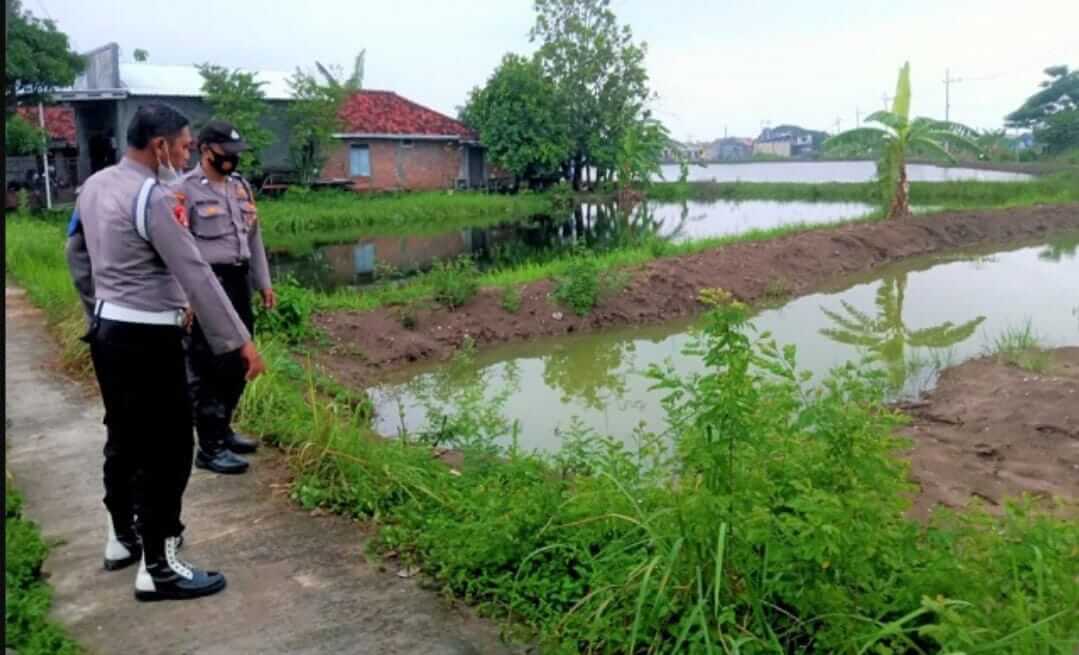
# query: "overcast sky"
{"points": [[716, 65]]}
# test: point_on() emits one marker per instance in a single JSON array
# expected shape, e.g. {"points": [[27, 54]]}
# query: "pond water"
{"points": [[598, 227], [829, 171], [915, 319]]}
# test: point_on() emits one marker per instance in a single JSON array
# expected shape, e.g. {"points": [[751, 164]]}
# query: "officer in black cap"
{"points": [[224, 222]]}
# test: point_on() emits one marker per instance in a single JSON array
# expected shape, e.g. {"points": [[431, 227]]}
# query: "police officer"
{"points": [[144, 268], [224, 221]]}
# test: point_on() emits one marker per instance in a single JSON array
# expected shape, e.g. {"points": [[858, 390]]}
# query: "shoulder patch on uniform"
{"points": [[179, 212]]}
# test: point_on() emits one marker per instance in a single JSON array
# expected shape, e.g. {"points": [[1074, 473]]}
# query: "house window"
{"points": [[359, 161], [406, 143]]}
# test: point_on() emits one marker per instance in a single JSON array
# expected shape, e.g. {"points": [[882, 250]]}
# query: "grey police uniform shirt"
{"points": [[78, 262], [162, 274], [225, 223]]}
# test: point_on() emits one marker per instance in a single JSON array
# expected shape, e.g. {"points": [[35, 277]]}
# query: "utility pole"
{"points": [[45, 155], [838, 124], [948, 82], [857, 117]]}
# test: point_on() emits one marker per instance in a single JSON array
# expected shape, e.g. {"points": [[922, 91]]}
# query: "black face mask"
{"points": [[224, 164]]}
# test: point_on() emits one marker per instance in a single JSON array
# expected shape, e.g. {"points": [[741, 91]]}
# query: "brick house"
{"points": [[392, 143]]}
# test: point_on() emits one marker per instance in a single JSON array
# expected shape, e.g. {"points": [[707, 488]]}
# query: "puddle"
{"points": [[914, 319], [595, 226]]}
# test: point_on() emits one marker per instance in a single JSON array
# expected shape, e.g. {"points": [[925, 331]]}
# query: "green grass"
{"points": [[27, 597], [299, 222], [1020, 347]]}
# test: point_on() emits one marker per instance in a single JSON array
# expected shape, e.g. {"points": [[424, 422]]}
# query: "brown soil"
{"points": [[366, 346], [992, 431]]}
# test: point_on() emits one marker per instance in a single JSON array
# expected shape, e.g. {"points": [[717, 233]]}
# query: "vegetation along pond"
{"points": [[913, 319], [830, 171]]}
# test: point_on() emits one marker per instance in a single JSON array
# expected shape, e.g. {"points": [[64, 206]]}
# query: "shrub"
{"points": [[584, 283], [291, 319], [511, 299], [454, 282]]}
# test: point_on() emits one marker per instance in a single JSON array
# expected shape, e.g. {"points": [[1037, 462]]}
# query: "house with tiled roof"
{"points": [[389, 142]]}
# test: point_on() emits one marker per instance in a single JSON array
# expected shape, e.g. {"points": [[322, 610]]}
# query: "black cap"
{"points": [[224, 134]]}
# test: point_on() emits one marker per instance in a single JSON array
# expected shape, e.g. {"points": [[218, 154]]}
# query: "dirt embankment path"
{"points": [[368, 345], [992, 431]]}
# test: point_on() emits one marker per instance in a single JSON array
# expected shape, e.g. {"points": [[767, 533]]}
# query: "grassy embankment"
{"points": [[722, 543], [27, 597]]}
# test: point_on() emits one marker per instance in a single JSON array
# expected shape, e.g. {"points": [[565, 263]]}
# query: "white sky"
{"points": [[715, 64]]}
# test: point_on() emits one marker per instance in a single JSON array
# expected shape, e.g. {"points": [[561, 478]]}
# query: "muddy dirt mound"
{"points": [[366, 345], [991, 431]]}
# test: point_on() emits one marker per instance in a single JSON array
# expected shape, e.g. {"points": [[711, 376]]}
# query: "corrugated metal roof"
{"points": [[161, 80]]}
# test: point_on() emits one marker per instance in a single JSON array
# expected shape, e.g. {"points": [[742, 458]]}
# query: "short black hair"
{"points": [[153, 120]]}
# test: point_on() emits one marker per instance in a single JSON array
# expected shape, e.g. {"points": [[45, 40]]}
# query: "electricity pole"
{"points": [[857, 117], [45, 155], [948, 82]]}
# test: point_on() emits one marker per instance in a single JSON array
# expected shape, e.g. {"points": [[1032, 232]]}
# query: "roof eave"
{"points": [[387, 135], [95, 94]]}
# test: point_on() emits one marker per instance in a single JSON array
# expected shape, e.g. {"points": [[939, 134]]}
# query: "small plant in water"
{"points": [[778, 289], [454, 282]]}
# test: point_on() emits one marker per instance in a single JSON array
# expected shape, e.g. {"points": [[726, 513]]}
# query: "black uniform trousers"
{"points": [[148, 450], [218, 381]]}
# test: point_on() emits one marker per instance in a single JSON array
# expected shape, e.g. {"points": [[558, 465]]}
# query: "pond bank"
{"points": [[368, 345], [991, 431]]}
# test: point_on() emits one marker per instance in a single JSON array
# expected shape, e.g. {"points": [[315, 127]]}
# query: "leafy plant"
{"points": [[896, 137], [582, 283], [312, 120], [291, 319], [1020, 347], [511, 299], [454, 282], [22, 137]]}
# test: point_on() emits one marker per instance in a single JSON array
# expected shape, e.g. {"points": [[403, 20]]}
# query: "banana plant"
{"points": [[896, 137]]}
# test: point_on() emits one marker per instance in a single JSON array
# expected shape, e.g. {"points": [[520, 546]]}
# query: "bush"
{"points": [[511, 299], [584, 282], [291, 319], [454, 282]]}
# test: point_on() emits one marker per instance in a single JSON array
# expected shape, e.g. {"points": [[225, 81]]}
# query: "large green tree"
{"points": [[598, 72], [312, 119], [1058, 93], [237, 97], [520, 120], [1060, 132], [39, 58], [895, 137], [21, 137]]}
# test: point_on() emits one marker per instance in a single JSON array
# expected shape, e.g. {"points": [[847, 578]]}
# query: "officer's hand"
{"points": [[269, 299], [253, 361], [189, 316]]}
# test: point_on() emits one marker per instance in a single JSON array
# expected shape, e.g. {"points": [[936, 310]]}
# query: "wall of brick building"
{"points": [[424, 165]]}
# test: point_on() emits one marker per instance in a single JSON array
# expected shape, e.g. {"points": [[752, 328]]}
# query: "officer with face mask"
{"points": [[132, 249], [224, 222]]}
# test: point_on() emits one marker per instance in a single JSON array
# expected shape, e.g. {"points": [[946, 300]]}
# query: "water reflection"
{"points": [[918, 317], [599, 227], [886, 335], [1061, 247]]}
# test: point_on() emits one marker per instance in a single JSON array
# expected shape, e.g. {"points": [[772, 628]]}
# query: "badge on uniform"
{"points": [[179, 212]]}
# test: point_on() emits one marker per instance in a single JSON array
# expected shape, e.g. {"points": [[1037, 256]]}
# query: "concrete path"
{"points": [[298, 584]]}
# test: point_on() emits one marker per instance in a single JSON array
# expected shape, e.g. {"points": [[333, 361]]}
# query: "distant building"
{"points": [[107, 94], [676, 151], [731, 149], [390, 142], [789, 141]]}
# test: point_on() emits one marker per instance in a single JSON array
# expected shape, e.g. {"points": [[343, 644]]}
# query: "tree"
{"points": [[141, 55], [39, 58], [353, 83], [599, 75], [886, 336], [640, 153], [1059, 93], [312, 119], [21, 137], [520, 121], [236, 97], [898, 137], [1060, 132]]}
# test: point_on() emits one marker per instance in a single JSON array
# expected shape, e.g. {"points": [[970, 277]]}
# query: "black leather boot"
{"points": [[164, 576], [240, 444], [122, 549], [221, 460]]}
